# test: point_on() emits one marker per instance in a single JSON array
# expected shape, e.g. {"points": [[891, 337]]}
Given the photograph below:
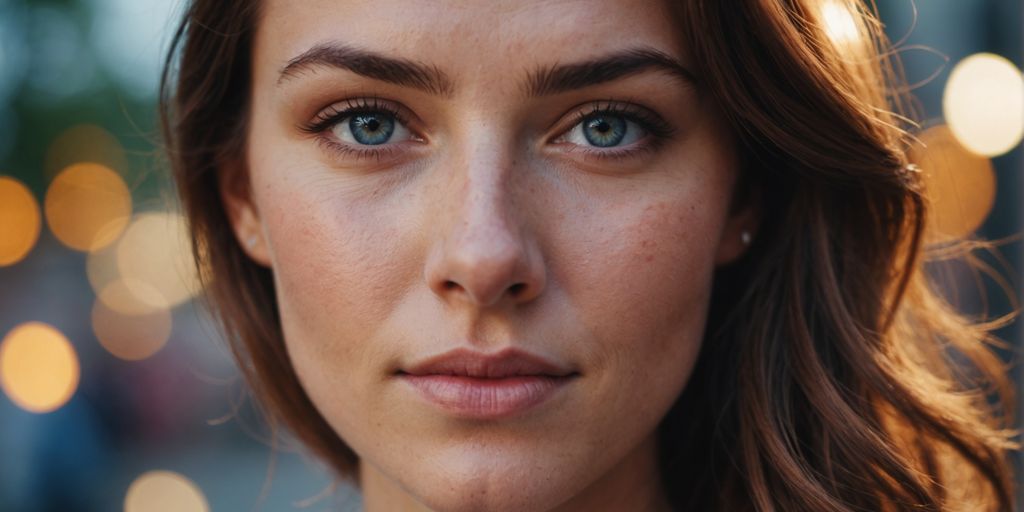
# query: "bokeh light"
{"points": [[101, 268], [84, 143], [155, 252], [131, 337], [132, 298], [20, 221], [39, 369], [88, 206], [961, 184], [62, 66], [840, 24], [984, 104], [164, 491]]}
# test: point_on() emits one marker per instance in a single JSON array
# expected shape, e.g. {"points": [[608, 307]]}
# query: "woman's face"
{"points": [[493, 228]]}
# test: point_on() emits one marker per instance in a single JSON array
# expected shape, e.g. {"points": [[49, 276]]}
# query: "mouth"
{"points": [[473, 385]]}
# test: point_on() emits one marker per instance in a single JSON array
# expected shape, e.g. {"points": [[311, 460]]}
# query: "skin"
{"points": [[613, 257]]}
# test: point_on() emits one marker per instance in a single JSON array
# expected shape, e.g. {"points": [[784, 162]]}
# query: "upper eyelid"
{"points": [[647, 118], [339, 110]]}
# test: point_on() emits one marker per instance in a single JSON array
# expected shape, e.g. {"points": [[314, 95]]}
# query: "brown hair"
{"points": [[826, 380]]}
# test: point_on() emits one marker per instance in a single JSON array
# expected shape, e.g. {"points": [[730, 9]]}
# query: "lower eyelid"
{"points": [[392, 152], [349, 151], [590, 153]]}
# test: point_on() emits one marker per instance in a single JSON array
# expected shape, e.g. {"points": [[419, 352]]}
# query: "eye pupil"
{"points": [[372, 129], [605, 130]]}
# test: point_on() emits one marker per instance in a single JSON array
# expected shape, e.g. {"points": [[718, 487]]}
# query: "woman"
{"points": [[579, 255]]}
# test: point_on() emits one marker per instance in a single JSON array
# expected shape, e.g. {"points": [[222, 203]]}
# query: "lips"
{"points": [[507, 363], [469, 384]]}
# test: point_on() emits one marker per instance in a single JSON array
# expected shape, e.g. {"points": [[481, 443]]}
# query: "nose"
{"points": [[484, 253]]}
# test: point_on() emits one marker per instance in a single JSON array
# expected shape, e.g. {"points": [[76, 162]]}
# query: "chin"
{"points": [[475, 496], [493, 485]]}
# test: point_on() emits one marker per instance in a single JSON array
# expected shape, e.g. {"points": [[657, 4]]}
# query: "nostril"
{"points": [[516, 289], [448, 285]]}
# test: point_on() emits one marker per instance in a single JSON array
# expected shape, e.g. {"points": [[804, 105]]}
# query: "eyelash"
{"points": [[332, 115], [658, 130]]}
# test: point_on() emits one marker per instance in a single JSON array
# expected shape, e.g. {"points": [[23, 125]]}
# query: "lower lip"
{"points": [[476, 398]]}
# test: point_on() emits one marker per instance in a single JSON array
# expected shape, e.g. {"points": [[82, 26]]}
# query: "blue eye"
{"points": [[605, 130], [370, 129]]}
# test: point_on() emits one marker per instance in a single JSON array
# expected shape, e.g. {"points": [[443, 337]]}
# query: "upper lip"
{"points": [[509, 362]]}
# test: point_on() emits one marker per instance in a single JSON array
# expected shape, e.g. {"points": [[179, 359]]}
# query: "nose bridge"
{"points": [[483, 251], [484, 204]]}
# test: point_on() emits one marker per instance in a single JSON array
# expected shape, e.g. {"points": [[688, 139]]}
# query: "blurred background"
{"points": [[116, 392]]}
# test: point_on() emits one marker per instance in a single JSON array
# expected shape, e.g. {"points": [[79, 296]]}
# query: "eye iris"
{"points": [[604, 131], [371, 129]]}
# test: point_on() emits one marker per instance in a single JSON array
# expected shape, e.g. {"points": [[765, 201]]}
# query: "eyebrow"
{"points": [[371, 65], [543, 82], [568, 77]]}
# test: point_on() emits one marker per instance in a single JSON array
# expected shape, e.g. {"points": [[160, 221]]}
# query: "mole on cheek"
{"points": [[648, 247]]}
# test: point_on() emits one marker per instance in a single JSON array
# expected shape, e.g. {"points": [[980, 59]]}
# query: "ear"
{"points": [[740, 228], [240, 207]]}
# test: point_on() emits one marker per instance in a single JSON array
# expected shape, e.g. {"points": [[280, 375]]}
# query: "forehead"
{"points": [[466, 38]]}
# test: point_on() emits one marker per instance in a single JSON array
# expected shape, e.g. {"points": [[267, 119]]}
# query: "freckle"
{"points": [[649, 258]]}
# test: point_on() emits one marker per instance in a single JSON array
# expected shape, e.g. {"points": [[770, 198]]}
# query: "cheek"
{"points": [[644, 291], [657, 258], [340, 265], [317, 248]]}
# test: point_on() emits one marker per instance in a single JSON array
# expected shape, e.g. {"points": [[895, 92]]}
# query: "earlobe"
{"points": [[240, 207], [738, 235]]}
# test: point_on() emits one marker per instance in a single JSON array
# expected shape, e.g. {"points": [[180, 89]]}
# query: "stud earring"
{"points": [[745, 237], [251, 241]]}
